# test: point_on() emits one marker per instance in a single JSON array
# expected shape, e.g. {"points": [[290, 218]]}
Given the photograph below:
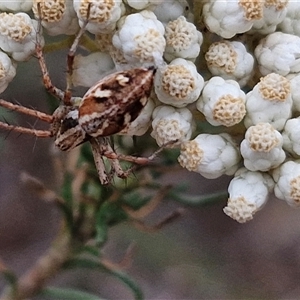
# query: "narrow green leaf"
{"points": [[195, 200], [135, 199], [93, 250], [67, 196], [109, 214], [67, 294], [97, 265]]}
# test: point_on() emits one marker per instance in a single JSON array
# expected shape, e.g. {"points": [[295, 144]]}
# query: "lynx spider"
{"points": [[106, 108]]}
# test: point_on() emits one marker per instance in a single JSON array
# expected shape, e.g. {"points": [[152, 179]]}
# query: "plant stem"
{"points": [[45, 268]]}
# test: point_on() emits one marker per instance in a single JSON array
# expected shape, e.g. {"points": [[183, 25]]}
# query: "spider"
{"points": [[105, 109]]}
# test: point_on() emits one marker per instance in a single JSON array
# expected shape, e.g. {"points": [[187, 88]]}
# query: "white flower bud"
{"points": [[270, 101], [222, 102], [103, 15], [278, 52], [91, 68], [229, 17], [178, 84], [172, 9], [140, 37], [16, 5], [290, 24], [248, 193], [143, 4], [183, 40], [262, 148], [58, 17], [142, 123], [18, 35], [210, 155], [230, 60], [171, 124], [291, 137], [7, 71], [287, 179], [295, 92], [274, 12]]}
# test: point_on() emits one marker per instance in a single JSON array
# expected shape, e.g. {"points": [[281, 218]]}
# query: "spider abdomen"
{"points": [[115, 101]]}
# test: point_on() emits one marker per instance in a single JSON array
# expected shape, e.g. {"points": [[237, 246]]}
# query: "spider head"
{"points": [[66, 129]]}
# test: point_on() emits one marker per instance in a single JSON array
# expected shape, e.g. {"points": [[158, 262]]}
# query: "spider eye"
{"points": [[70, 134]]}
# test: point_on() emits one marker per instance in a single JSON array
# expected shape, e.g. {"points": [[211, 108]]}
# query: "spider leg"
{"points": [[27, 111], [30, 112], [111, 154], [116, 168], [98, 158], [20, 129], [71, 56], [56, 92]]}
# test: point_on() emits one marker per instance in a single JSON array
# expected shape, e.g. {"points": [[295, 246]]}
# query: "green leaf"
{"points": [[195, 200], [97, 265], [135, 200], [67, 196], [94, 251], [109, 214], [67, 294]]}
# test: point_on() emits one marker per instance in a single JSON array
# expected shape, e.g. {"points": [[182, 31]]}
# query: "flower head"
{"points": [[270, 101], [287, 179], [7, 71], [230, 60], [179, 83], [222, 102], [140, 37], [262, 148], [278, 52], [18, 35], [248, 193], [291, 137], [91, 68], [16, 5], [58, 16], [171, 125], [183, 40], [274, 12], [227, 18], [210, 155], [103, 14]]}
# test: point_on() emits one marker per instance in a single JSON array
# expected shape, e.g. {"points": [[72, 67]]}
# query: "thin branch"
{"points": [[45, 268]]}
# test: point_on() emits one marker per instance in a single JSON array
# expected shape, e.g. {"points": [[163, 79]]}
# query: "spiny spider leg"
{"points": [[28, 111], [116, 168], [111, 154], [98, 158], [71, 55], [20, 129], [56, 92]]}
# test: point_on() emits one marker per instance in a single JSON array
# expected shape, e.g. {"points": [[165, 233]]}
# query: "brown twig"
{"points": [[45, 268]]}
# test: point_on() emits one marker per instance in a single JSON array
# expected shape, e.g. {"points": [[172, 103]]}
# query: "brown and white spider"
{"points": [[106, 108]]}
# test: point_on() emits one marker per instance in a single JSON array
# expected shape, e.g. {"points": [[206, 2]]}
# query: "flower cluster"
{"points": [[247, 87]]}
